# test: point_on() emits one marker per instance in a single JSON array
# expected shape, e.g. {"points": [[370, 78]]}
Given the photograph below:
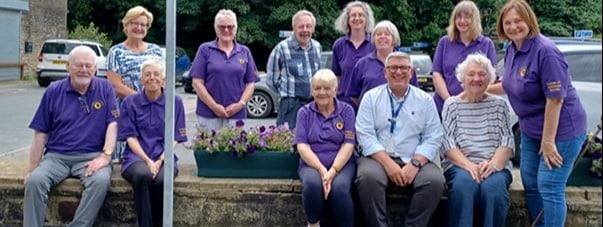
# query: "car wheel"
{"points": [[517, 137], [43, 82], [259, 105], [188, 87]]}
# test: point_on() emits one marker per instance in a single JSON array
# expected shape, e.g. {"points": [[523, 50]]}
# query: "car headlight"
{"points": [[185, 74]]}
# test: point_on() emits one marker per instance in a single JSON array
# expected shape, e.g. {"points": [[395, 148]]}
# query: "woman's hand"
{"points": [[551, 156], [474, 171], [327, 179], [154, 166]]}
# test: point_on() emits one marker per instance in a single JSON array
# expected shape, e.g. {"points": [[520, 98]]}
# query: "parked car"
{"points": [[584, 62], [53, 57], [183, 63], [422, 64]]}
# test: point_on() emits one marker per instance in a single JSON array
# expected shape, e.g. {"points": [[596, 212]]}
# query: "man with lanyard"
{"points": [[291, 64], [399, 131]]}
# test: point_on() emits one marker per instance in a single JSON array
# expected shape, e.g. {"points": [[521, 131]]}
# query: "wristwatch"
{"points": [[416, 163], [107, 152]]}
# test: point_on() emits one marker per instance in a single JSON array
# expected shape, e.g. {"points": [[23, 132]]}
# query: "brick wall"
{"points": [[46, 19]]}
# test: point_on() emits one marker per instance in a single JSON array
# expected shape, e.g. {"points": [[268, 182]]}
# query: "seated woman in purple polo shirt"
{"points": [[369, 71], [552, 119], [224, 76], [464, 37], [356, 21], [325, 139], [478, 143], [141, 125]]}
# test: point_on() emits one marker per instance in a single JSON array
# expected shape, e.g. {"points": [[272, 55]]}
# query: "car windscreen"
{"points": [[585, 66], [422, 66], [64, 48]]}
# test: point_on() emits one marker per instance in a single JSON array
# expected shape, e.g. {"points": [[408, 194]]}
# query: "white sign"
{"points": [[285, 33]]}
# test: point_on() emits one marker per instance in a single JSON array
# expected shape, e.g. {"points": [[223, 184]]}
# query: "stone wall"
{"points": [[246, 202], [45, 20]]}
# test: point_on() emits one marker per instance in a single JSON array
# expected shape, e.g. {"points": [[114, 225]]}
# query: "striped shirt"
{"points": [[290, 67], [477, 129], [127, 63]]}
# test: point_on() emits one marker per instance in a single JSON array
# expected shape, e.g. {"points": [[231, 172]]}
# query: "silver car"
{"points": [[584, 62]]}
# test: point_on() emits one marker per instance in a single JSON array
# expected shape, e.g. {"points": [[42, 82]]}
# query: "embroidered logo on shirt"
{"points": [[242, 61], [97, 105], [349, 135], [522, 72], [554, 86], [339, 125]]}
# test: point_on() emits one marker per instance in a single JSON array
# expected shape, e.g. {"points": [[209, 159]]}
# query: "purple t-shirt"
{"points": [[345, 56], [325, 135], [145, 120], [449, 54], [534, 73], [225, 77], [75, 123]]}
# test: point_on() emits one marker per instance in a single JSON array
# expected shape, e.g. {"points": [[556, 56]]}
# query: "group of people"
{"points": [[362, 125]]}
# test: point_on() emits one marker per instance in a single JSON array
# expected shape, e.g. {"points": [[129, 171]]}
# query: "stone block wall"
{"points": [[247, 202], [46, 19]]}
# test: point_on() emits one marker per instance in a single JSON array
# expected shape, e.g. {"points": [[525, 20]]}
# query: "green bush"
{"points": [[91, 33]]}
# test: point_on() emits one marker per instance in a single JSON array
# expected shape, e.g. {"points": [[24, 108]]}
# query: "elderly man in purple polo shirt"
{"points": [[291, 64], [141, 125], [75, 130]]}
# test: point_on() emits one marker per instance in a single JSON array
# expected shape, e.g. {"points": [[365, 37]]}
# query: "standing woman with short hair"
{"points": [[464, 37], [356, 22], [552, 119], [224, 76]]}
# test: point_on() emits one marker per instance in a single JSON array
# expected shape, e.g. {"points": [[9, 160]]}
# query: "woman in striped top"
{"points": [[477, 145]]}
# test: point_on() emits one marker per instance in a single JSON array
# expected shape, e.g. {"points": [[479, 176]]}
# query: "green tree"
{"points": [[90, 32]]}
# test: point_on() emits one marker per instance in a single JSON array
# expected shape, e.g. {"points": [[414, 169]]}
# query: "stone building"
{"points": [[45, 20]]}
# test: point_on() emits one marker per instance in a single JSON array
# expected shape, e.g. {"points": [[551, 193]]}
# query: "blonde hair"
{"points": [[135, 12], [389, 28], [469, 8], [525, 12], [479, 59], [342, 23]]}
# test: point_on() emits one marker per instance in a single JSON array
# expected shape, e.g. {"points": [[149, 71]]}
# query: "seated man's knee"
{"points": [[38, 180], [101, 178]]}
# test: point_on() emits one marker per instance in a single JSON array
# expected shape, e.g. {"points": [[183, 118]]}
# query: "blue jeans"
{"points": [[487, 202], [543, 187]]}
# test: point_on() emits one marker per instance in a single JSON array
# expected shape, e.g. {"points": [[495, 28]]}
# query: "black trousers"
{"points": [[148, 193]]}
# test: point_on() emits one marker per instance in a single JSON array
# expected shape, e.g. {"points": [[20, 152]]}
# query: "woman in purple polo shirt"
{"points": [[464, 37], [552, 119], [224, 76], [369, 71], [325, 139], [141, 125], [356, 22]]}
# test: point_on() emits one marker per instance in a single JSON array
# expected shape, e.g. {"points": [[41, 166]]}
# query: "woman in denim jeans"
{"points": [[551, 118]]}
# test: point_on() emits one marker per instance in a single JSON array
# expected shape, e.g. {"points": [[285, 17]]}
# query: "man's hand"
{"points": [[234, 108], [394, 173], [26, 178], [96, 164], [220, 111], [409, 172]]}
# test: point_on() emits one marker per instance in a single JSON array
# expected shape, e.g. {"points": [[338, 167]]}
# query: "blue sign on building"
{"points": [[420, 44], [584, 34]]}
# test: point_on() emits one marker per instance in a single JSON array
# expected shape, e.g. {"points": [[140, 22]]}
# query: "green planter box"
{"points": [[261, 164], [581, 177]]}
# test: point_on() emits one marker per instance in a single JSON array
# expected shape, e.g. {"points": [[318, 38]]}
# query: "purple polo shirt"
{"points": [[75, 123], [145, 120], [225, 77], [368, 74], [325, 135], [345, 56], [449, 54], [533, 73]]}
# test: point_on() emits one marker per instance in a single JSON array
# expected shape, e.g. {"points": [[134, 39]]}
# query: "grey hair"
{"points": [[342, 23], [81, 49], [390, 28], [396, 55], [300, 13], [154, 61], [225, 13], [325, 75], [480, 60]]}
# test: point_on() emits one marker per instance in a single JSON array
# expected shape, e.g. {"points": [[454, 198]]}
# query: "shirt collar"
{"points": [[404, 96], [235, 49], [295, 44], [336, 112], [145, 100], [367, 37]]}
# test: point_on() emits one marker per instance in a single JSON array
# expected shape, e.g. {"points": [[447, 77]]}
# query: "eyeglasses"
{"points": [[84, 103], [83, 66], [138, 24], [152, 74], [395, 68], [224, 27]]}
